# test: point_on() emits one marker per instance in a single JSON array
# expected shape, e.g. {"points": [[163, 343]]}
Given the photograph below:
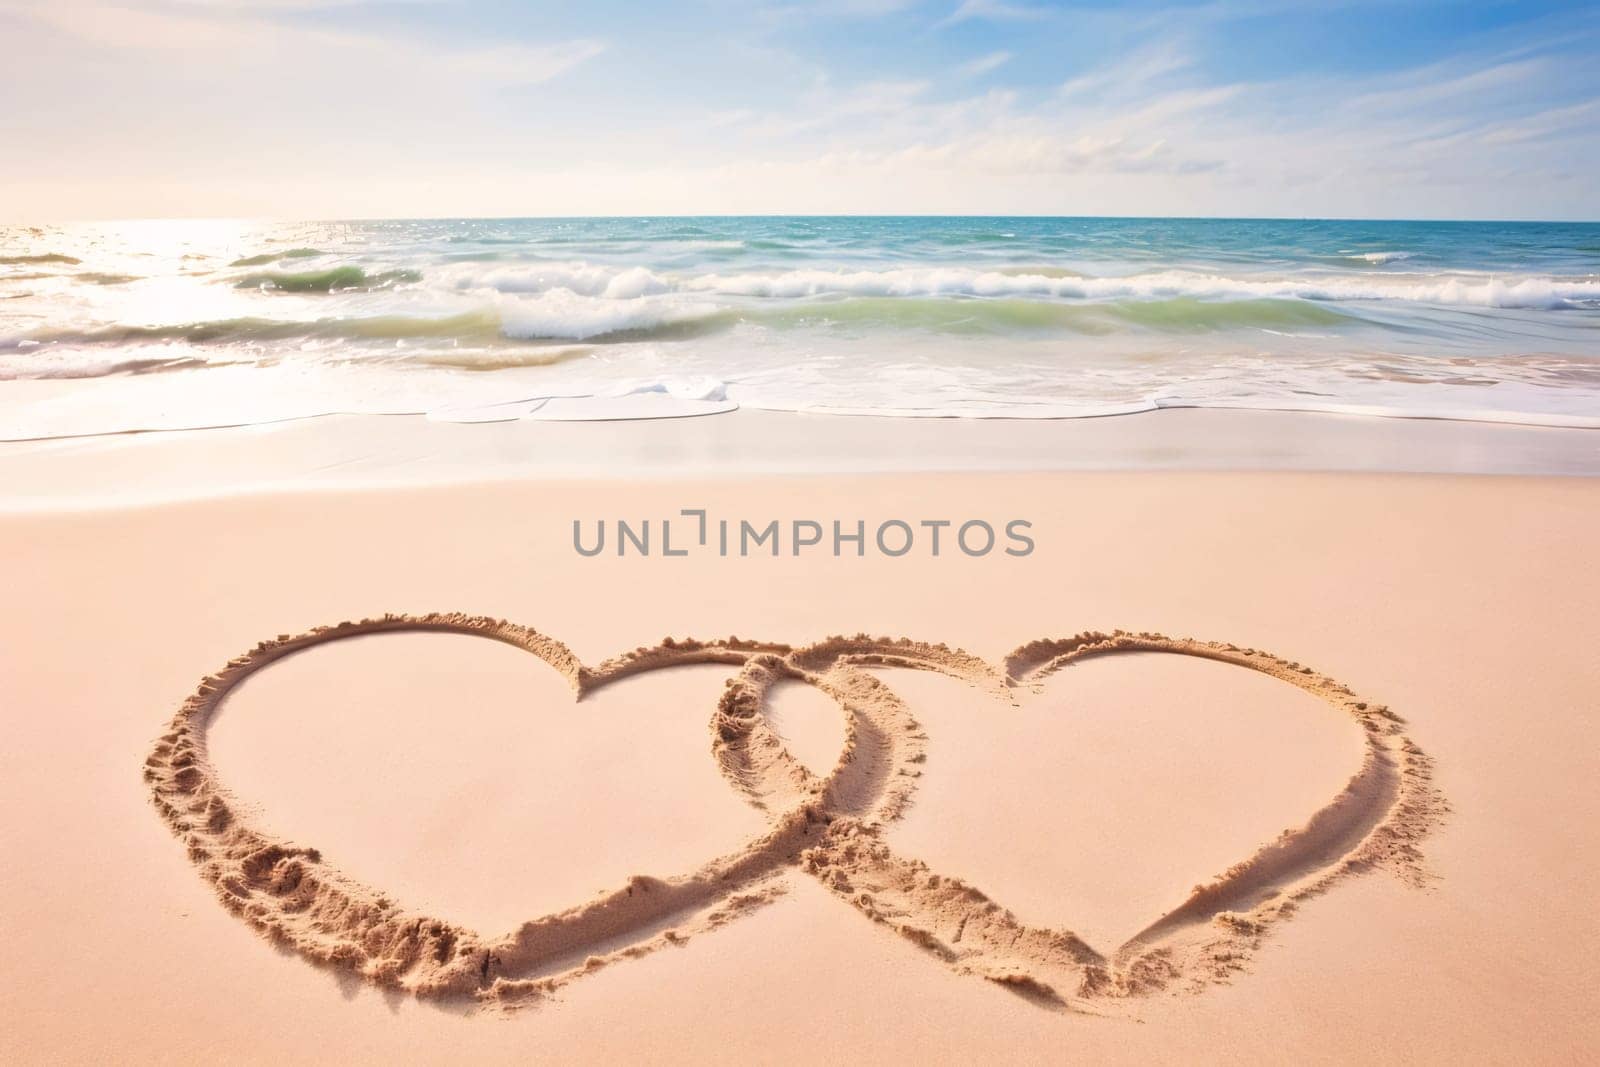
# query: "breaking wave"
{"points": [[471, 326], [562, 315], [272, 257], [593, 280], [46, 257], [333, 280], [1375, 257]]}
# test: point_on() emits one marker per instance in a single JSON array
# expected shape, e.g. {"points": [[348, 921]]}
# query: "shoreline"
{"points": [[349, 452]]}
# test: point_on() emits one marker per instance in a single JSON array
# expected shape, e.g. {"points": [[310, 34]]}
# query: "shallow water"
{"points": [[245, 322]]}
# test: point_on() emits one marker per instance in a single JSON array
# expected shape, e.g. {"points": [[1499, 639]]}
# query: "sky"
{"points": [[390, 108]]}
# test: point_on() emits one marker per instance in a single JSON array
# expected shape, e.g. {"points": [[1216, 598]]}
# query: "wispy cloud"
{"points": [[1434, 86], [974, 68], [1226, 107], [1156, 113], [1045, 155], [280, 5], [1578, 118], [520, 64], [1130, 74], [1003, 10], [846, 9], [245, 26], [827, 107]]}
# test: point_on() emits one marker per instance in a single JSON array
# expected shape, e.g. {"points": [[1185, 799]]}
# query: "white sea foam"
{"points": [[702, 387], [626, 284], [507, 411], [649, 405], [241, 395], [585, 279], [1377, 257], [566, 315], [1525, 292]]}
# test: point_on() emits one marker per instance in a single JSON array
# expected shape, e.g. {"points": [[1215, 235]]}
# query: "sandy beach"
{"points": [[1274, 764]]}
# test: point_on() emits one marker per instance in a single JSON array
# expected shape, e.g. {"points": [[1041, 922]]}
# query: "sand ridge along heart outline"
{"points": [[831, 826]]}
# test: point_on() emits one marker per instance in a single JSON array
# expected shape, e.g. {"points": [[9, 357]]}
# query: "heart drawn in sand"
{"points": [[828, 826]]}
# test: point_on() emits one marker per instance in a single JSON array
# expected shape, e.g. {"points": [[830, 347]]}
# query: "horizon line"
{"points": [[794, 215]]}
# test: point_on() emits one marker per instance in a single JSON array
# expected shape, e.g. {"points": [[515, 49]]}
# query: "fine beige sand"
{"points": [[1234, 765]]}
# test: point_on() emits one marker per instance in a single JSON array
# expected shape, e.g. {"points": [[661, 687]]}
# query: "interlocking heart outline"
{"points": [[832, 827]]}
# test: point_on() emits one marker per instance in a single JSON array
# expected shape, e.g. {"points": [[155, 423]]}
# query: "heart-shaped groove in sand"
{"points": [[831, 826]]}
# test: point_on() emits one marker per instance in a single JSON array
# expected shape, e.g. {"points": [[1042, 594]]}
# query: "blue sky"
{"points": [[343, 108]]}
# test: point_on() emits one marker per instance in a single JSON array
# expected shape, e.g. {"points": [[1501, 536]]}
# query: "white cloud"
{"points": [[1130, 74], [838, 9], [984, 64], [235, 29], [1045, 154], [999, 10], [1544, 124], [278, 5], [222, 107], [1415, 91], [826, 107], [124, 27], [520, 64]]}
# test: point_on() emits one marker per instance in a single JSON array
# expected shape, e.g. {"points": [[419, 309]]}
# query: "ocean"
{"points": [[167, 325]]}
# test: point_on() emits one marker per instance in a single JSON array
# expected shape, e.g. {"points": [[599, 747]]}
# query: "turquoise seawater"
{"points": [[208, 322]]}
